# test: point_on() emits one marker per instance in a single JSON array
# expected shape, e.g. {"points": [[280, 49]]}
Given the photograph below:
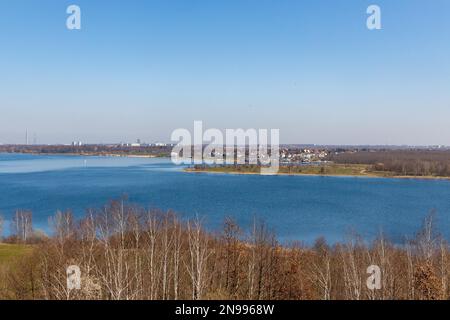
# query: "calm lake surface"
{"points": [[296, 207]]}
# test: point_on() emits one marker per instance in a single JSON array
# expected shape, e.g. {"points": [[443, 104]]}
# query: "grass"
{"points": [[8, 252], [320, 170], [334, 169], [8, 255], [329, 169]]}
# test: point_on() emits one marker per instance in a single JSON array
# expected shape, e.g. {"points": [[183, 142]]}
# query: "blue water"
{"points": [[296, 207]]}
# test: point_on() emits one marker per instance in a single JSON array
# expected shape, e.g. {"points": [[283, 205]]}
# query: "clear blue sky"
{"points": [[140, 69]]}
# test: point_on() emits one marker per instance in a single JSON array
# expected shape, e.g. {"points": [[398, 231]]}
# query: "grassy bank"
{"points": [[357, 170], [332, 170]]}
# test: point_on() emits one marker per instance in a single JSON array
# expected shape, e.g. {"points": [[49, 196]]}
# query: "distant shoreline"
{"points": [[189, 170], [88, 154]]}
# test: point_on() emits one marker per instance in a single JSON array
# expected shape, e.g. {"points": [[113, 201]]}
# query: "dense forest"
{"points": [[128, 252]]}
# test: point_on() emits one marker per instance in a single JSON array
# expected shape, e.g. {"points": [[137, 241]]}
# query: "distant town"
{"points": [[290, 154], [138, 148], [408, 160]]}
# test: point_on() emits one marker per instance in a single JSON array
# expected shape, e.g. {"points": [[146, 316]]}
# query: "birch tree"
{"points": [[198, 258], [22, 225]]}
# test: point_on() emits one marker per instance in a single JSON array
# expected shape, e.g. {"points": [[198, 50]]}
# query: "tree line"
{"points": [[399, 162], [89, 149], [127, 252]]}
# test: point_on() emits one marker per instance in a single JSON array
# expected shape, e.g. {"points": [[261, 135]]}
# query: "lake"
{"points": [[296, 207]]}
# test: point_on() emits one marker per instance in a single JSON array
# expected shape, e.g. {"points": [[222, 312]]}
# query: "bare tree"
{"points": [[383, 258], [126, 252], [152, 235], [443, 266], [262, 249], [1, 227], [177, 245], [22, 225], [112, 229], [320, 269], [230, 236], [410, 270], [63, 225], [198, 257], [427, 240], [351, 270]]}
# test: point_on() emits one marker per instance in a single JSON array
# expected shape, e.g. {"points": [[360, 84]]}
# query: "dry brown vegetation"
{"points": [[127, 252], [400, 162]]}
